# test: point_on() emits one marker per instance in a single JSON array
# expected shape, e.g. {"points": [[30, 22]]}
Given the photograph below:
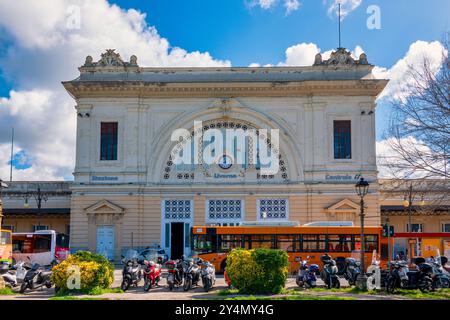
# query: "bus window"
{"points": [[313, 243], [262, 241], [371, 242], [339, 243], [23, 245], [62, 240], [42, 243], [204, 243], [286, 242], [5, 238], [227, 242]]}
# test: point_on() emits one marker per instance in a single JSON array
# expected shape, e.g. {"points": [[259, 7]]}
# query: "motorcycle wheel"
{"points": [[207, 285], [48, 285], [329, 283], [299, 283], [23, 287], [147, 285], [125, 284], [171, 286], [441, 283], [187, 284], [336, 283], [390, 286], [426, 285]]}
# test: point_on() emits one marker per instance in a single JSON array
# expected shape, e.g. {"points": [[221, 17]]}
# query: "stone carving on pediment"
{"points": [[110, 58], [340, 57]]}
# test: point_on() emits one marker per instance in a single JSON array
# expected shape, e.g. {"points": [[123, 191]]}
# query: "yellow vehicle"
{"points": [[5, 246], [212, 243]]}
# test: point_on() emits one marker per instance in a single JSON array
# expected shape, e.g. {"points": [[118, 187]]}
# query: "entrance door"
{"points": [[176, 240], [105, 241]]}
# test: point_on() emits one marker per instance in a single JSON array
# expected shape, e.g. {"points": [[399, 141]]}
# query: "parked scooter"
{"points": [[306, 276], [191, 274], [402, 278], [152, 274], [132, 271], [329, 272], [208, 275], [14, 275], [36, 277], [174, 273], [440, 277], [352, 270]]}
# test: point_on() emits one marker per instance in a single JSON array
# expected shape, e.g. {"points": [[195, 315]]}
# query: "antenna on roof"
{"points": [[339, 25]]}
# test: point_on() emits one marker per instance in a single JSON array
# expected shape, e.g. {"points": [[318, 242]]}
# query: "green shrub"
{"points": [[96, 272], [258, 270]]}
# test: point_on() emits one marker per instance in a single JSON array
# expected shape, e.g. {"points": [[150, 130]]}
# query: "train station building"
{"points": [[309, 135]]}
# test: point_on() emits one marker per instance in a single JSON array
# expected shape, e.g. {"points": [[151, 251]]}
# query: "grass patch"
{"points": [[75, 298], [417, 294], [97, 291], [6, 292], [291, 297], [227, 292]]}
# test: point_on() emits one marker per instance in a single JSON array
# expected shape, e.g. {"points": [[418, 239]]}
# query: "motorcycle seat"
{"points": [[46, 273]]}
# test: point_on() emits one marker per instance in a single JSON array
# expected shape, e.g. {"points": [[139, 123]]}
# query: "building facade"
{"points": [[419, 211], [130, 191], [30, 206]]}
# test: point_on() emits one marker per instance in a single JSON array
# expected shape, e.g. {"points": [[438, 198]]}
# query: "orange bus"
{"points": [[5, 246], [212, 243]]}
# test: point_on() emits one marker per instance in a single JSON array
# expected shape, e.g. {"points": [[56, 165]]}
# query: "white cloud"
{"points": [[303, 54], [391, 164], [347, 6], [400, 80], [263, 4], [45, 52], [291, 5], [43, 123]]}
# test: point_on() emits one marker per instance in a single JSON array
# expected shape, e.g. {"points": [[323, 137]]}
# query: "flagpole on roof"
{"points": [[12, 152], [339, 25]]}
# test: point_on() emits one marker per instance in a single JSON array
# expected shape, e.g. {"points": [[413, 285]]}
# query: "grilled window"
{"points": [[108, 141], [342, 139]]}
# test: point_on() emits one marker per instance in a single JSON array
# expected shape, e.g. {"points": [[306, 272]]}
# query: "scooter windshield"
{"points": [[131, 255]]}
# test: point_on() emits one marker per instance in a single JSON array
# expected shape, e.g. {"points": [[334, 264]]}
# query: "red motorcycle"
{"points": [[152, 274], [174, 273]]}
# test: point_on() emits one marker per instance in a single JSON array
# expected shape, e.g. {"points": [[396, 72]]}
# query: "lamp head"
{"points": [[362, 187]]}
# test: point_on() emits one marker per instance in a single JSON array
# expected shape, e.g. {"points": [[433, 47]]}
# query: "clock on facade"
{"points": [[225, 162]]}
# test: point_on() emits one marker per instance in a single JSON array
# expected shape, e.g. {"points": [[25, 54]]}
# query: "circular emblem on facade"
{"points": [[225, 162]]}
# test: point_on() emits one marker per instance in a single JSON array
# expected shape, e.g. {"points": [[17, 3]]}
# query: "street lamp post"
{"points": [[362, 188], [2, 185]]}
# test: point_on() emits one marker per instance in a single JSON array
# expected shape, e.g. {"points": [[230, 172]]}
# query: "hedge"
{"points": [[258, 271], [95, 272]]}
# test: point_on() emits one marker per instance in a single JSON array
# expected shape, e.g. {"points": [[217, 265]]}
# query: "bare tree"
{"points": [[419, 131]]}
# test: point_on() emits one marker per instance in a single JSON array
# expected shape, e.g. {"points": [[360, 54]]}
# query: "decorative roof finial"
{"points": [[110, 59]]}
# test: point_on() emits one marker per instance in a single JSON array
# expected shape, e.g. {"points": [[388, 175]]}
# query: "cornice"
{"points": [[86, 89]]}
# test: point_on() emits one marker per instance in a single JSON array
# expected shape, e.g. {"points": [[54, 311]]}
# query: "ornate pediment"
{"points": [[109, 59], [341, 57], [345, 205], [104, 207]]}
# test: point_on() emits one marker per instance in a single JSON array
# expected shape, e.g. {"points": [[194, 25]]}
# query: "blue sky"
{"points": [[37, 53], [228, 29]]}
